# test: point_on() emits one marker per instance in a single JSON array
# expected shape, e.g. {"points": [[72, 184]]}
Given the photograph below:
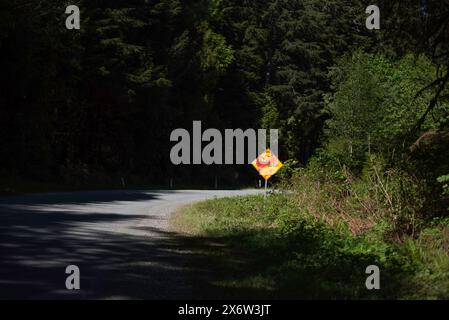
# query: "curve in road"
{"points": [[119, 240]]}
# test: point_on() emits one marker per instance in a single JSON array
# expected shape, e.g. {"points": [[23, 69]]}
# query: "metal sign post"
{"points": [[266, 190], [267, 164]]}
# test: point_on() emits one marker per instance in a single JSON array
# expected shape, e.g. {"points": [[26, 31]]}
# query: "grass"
{"points": [[316, 244]]}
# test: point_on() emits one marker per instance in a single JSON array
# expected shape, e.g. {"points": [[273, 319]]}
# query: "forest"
{"points": [[92, 106], [363, 115]]}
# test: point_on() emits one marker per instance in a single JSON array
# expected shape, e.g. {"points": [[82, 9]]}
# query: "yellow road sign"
{"points": [[267, 164]]}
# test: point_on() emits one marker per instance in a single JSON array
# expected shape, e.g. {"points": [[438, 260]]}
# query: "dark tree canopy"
{"points": [[98, 104]]}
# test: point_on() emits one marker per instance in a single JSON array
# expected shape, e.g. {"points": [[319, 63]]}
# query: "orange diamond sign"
{"points": [[267, 164]]}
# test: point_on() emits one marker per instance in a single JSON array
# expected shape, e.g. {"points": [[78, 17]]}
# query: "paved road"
{"points": [[119, 240]]}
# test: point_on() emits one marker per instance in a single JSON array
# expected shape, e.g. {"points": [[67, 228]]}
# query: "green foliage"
{"points": [[96, 103], [290, 251], [290, 167], [281, 61], [429, 251], [444, 180], [270, 113], [374, 106], [106, 96], [216, 54]]}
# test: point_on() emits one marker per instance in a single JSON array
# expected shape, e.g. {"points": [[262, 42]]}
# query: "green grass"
{"points": [[285, 250]]}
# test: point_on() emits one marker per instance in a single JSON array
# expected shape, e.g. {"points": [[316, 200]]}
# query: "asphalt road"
{"points": [[119, 240]]}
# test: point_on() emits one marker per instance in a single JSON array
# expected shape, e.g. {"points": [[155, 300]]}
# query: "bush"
{"points": [[309, 244]]}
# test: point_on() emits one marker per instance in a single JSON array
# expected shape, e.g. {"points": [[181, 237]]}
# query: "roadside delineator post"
{"points": [[267, 164]]}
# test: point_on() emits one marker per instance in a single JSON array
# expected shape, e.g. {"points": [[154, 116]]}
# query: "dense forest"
{"points": [[362, 114], [96, 106]]}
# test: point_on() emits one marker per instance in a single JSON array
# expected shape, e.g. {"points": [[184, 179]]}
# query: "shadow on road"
{"points": [[41, 234]]}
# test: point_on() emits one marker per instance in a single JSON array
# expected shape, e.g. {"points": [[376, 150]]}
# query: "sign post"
{"points": [[266, 189], [267, 164]]}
